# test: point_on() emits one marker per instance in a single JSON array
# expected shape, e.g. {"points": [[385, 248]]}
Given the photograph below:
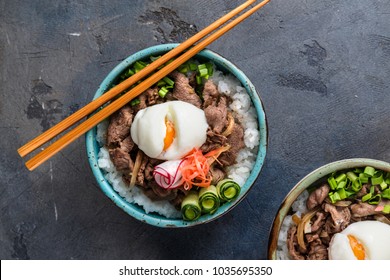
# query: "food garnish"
{"points": [[190, 207], [209, 199]]}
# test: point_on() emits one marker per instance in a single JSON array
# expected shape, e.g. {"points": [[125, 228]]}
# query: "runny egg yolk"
{"points": [[357, 247], [169, 135]]}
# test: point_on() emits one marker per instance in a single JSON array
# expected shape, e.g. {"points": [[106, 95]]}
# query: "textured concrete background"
{"points": [[321, 66]]}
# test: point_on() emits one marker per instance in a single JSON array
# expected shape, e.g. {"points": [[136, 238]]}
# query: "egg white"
{"points": [[148, 129], [373, 235]]}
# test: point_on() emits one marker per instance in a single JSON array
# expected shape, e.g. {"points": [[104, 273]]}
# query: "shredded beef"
{"points": [[119, 127], [142, 103], [362, 210], [317, 251], [318, 196], [183, 91], [152, 96], [292, 244], [213, 141], [236, 142], [217, 174], [121, 159], [319, 221], [210, 93], [141, 175], [216, 115], [341, 216]]}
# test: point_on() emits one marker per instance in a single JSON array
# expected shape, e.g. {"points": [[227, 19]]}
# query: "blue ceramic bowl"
{"points": [[137, 211], [309, 180]]}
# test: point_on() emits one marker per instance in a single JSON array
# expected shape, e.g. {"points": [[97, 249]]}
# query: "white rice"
{"points": [[299, 208], [242, 108]]}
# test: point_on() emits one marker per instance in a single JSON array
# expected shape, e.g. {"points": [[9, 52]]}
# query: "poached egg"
{"points": [[170, 130], [365, 240]]}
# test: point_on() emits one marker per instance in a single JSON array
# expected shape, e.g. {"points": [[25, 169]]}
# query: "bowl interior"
{"points": [[313, 178], [137, 211]]}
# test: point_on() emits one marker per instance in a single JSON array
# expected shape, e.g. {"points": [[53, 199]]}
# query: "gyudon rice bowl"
{"points": [[340, 211], [186, 150]]}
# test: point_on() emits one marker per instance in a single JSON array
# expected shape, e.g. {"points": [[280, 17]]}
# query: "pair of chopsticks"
{"points": [[190, 51]]}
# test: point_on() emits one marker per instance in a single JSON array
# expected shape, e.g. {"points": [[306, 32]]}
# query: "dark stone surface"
{"points": [[322, 68]]}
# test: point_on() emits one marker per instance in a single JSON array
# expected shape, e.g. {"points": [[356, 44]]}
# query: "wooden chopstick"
{"points": [[124, 99], [95, 104]]}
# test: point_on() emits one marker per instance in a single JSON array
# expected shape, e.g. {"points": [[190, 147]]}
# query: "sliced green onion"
{"points": [[341, 178], [192, 66], [375, 199], [203, 72], [357, 185], [334, 197], [332, 183], [358, 170], [168, 81], [386, 209], [135, 101], [208, 199], [387, 180], [342, 194], [369, 171], [386, 193], [352, 176], [228, 189], [162, 92], [377, 178], [210, 68], [183, 69], [363, 178], [349, 193], [139, 65], [383, 185], [367, 197], [190, 208], [198, 79], [342, 185], [161, 83]]}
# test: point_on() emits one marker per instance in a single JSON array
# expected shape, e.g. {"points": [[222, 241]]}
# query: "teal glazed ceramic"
{"points": [[306, 182], [137, 211]]}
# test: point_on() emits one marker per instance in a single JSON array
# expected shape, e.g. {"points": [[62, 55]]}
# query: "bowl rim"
{"points": [[307, 181], [155, 219]]}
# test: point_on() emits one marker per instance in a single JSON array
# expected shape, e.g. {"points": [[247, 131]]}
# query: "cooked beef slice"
{"points": [[318, 222], [292, 244], [140, 175], [317, 250], [311, 237], [318, 196], [142, 102], [341, 216], [183, 91], [216, 115], [236, 142], [210, 93], [122, 160], [119, 127], [217, 174], [163, 194], [213, 141], [192, 80], [152, 96], [127, 144], [362, 210]]}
